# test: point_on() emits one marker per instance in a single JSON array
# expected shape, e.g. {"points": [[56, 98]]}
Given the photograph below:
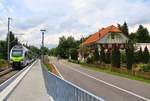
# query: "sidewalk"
{"points": [[32, 87]]}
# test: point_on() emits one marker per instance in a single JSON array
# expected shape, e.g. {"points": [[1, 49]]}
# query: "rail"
{"points": [[63, 90]]}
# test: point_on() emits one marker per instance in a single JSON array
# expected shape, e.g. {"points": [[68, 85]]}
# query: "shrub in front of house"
{"points": [[146, 67], [146, 55], [90, 60], [115, 58]]}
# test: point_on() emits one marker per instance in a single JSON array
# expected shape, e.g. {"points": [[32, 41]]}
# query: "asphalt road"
{"points": [[108, 87]]}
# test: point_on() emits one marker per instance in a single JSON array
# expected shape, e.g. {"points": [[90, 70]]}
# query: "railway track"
{"points": [[6, 74]]}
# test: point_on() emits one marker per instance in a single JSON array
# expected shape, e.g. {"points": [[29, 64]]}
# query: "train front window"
{"points": [[17, 53]]}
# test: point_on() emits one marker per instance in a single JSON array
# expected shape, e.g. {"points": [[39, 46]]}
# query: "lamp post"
{"points": [[42, 30]]}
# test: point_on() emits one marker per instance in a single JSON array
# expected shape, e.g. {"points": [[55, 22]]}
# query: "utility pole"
{"points": [[8, 38], [42, 30]]}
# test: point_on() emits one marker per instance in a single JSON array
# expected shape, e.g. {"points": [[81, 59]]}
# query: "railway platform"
{"points": [[32, 87]]}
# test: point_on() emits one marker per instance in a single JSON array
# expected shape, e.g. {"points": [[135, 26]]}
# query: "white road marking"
{"points": [[129, 92], [58, 72], [12, 85]]}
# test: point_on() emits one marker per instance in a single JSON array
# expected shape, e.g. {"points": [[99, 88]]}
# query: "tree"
{"points": [[65, 44], [133, 37], [62, 47], [140, 55], [146, 55], [3, 45], [102, 55], [142, 35], [3, 49], [123, 57], [84, 51], [73, 53], [12, 40], [53, 52], [115, 57], [129, 55], [44, 50], [119, 26], [108, 57], [124, 29], [96, 54], [36, 51]]}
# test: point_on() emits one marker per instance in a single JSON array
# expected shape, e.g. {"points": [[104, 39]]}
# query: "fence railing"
{"points": [[63, 90]]}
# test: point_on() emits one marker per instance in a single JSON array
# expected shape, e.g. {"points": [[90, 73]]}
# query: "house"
{"points": [[106, 38], [142, 46]]}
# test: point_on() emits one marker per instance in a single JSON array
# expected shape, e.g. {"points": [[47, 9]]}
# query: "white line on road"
{"points": [[129, 92], [58, 71]]}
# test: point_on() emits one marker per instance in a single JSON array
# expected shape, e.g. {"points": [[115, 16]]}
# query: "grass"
{"points": [[108, 71], [52, 69], [48, 67], [3, 63]]}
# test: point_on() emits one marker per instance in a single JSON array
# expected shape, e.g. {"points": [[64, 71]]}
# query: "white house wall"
{"points": [[118, 38], [142, 45]]}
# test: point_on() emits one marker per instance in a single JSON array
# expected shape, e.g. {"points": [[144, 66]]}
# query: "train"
{"points": [[20, 57]]}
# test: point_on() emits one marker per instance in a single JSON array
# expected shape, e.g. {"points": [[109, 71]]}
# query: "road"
{"points": [[109, 87]]}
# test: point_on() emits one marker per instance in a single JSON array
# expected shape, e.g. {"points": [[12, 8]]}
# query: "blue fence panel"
{"points": [[63, 90]]}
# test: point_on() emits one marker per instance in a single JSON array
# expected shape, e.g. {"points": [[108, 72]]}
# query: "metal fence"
{"points": [[62, 90]]}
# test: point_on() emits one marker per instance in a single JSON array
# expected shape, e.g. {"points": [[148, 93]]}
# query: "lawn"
{"points": [[3, 63], [100, 69], [52, 69]]}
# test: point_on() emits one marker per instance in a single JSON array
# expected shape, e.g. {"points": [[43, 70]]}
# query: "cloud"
{"points": [[135, 27], [53, 39], [70, 17]]}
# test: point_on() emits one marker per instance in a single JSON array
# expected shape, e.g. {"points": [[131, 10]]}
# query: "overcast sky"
{"points": [[69, 17]]}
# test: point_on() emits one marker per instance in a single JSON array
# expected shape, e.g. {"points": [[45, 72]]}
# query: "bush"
{"points": [[108, 57], [145, 55], [129, 55], [73, 53], [146, 68], [90, 59], [2, 61], [130, 58], [123, 57], [74, 61], [115, 58], [102, 55], [96, 55]]}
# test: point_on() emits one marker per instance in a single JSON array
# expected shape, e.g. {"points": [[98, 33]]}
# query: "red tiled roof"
{"points": [[100, 34]]}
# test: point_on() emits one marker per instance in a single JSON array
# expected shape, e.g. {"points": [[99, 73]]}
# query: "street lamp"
{"points": [[42, 30]]}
